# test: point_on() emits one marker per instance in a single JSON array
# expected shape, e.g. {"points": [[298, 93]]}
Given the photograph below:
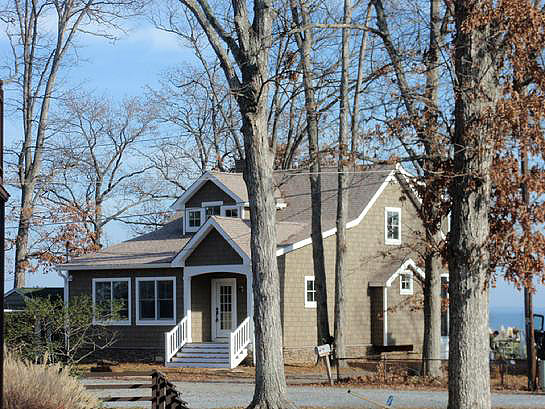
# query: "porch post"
{"points": [[187, 304], [250, 304]]}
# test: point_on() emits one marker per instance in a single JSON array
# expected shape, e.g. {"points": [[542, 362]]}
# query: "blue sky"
{"points": [[124, 68]]}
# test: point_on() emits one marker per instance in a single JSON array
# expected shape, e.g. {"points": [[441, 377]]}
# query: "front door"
{"points": [[224, 307]]}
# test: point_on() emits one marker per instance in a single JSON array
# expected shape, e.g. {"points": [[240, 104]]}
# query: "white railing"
{"points": [[175, 339], [238, 341]]}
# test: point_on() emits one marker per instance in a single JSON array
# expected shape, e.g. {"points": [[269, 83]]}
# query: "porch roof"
{"points": [[158, 247]]}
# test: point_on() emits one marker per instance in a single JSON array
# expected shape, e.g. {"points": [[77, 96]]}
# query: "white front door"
{"points": [[224, 307]]}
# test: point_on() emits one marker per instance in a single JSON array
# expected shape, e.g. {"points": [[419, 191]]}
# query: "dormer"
{"points": [[213, 194]]}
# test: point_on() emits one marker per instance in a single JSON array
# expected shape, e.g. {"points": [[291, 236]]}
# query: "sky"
{"points": [[124, 68]]}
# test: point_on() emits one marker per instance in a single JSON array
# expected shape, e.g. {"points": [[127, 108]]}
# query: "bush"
{"points": [[32, 386], [62, 333]]}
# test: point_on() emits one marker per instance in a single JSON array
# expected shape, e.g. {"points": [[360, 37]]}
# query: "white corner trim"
{"points": [[112, 279], [179, 260], [349, 225], [404, 267], [388, 241], [309, 304], [385, 316], [137, 295]]}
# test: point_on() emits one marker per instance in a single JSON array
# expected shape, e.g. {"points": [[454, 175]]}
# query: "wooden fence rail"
{"points": [[163, 393]]}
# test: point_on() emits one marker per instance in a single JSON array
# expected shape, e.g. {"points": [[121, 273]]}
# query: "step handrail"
{"points": [[239, 339], [175, 339]]}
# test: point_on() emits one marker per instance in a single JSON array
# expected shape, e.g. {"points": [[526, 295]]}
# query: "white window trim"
{"points": [[212, 204], [128, 321], [393, 242], [410, 290], [231, 207], [310, 304], [189, 228], [155, 322]]}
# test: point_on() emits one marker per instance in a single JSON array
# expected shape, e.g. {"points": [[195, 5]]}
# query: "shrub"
{"points": [[33, 386], [62, 333]]}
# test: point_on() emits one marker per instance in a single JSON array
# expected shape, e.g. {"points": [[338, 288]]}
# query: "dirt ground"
{"points": [[394, 377]]}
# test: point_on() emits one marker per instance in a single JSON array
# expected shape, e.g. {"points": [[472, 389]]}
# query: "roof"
{"points": [[41, 292], [158, 247], [293, 221], [240, 232], [295, 188]]}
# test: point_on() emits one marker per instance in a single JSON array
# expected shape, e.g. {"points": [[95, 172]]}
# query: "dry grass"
{"points": [[32, 386]]}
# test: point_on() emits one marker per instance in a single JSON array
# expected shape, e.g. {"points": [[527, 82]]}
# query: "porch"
{"points": [[216, 330]]}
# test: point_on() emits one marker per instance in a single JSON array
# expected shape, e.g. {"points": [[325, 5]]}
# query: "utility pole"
{"points": [[528, 296], [3, 199]]}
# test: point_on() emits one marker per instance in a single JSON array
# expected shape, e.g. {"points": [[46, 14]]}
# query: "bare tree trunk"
{"points": [[250, 49], [21, 241], [305, 44], [342, 197], [476, 96], [426, 127], [431, 348]]}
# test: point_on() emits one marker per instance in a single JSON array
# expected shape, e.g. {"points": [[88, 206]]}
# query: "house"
{"points": [[16, 298], [187, 287]]}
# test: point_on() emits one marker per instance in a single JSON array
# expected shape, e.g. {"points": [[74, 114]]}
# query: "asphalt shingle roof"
{"points": [[293, 221]]}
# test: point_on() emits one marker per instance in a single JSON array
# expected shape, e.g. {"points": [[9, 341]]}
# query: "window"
{"points": [[111, 301], [194, 218], [230, 211], [310, 292], [406, 283], [212, 211], [156, 300], [392, 225]]}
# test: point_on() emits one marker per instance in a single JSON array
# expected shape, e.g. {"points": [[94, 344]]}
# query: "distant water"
{"points": [[508, 317]]}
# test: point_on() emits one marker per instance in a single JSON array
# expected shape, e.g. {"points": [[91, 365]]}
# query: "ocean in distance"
{"points": [[508, 317]]}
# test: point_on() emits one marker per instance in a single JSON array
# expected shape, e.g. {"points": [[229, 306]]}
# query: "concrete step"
{"points": [[200, 359], [197, 365], [184, 353]]}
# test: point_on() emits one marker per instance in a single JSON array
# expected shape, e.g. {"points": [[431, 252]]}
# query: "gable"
{"points": [[213, 250], [209, 192]]}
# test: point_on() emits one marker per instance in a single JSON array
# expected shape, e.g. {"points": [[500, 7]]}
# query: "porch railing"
{"points": [[238, 341], [175, 339]]}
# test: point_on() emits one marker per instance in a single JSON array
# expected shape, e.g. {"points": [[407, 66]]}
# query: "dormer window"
{"points": [[230, 211], [194, 218], [213, 211]]}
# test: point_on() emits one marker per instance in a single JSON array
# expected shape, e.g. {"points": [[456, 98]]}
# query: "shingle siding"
{"points": [[213, 249], [131, 336], [366, 246], [209, 192]]}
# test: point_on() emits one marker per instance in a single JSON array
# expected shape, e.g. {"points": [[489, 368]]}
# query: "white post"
{"points": [[187, 305], [250, 305]]}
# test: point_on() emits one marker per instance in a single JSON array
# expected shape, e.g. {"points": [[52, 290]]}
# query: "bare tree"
{"points": [[101, 173], [342, 194], [38, 56], [304, 38], [249, 40], [426, 152]]}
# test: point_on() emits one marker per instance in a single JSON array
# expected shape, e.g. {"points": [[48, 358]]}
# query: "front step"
{"points": [[202, 355]]}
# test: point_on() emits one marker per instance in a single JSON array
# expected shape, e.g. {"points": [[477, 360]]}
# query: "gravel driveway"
{"points": [[228, 395]]}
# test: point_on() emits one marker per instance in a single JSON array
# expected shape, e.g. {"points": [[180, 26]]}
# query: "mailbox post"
{"points": [[323, 352]]}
